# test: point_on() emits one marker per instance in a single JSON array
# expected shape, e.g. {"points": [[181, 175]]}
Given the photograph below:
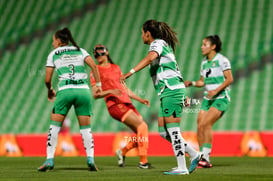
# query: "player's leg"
{"points": [[62, 105], [83, 110], [170, 112], [131, 120], [87, 137], [162, 129], [127, 114], [194, 155], [135, 122], [120, 153], [120, 112], [173, 127], [216, 110], [211, 117], [52, 139], [200, 131], [180, 146]]}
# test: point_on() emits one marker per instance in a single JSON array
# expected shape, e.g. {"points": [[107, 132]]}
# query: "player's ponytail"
{"points": [[65, 36], [168, 35], [215, 40], [110, 59], [161, 30]]}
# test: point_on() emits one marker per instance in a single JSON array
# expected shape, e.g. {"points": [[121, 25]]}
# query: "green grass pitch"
{"points": [[75, 168]]}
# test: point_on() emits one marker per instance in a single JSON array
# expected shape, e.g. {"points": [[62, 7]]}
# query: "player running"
{"points": [[216, 76], [119, 105], [169, 85], [73, 90]]}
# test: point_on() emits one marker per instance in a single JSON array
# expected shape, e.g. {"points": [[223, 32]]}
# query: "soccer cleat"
{"points": [[177, 172], [47, 165], [194, 162], [91, 165], [121, 158], [145, 165], [203, 163]]}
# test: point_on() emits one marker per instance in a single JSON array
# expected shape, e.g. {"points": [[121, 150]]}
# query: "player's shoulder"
{"points": [[52, 53], [159, 42], [115, 66], [83, 50], [221, 57]]}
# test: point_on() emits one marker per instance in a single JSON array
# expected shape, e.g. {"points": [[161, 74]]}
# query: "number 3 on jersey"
{"points": [[72, 69]]}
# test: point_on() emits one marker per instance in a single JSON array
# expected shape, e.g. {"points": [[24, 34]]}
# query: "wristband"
{"points": [[98, 84], [132, 71], [193, 83]]}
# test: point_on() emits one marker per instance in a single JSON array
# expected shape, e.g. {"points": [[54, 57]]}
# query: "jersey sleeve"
{"points": [[156, 46], [225, 64], [49, 62], [92, 79], [84, 53]]}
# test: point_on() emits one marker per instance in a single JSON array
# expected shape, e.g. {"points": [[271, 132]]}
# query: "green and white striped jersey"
{"points": [[69, 64], [164, 70], [213, 74]]}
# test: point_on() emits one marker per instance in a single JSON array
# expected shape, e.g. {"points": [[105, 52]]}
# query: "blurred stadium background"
{"points": [[27, 26]]}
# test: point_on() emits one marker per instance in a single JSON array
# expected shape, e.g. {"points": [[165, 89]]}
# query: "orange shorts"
{"points": [[120, 111]]}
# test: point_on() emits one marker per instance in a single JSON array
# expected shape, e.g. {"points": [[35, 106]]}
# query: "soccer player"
{"points": [[73, 90], [216, 76], [168, 83], [117, 97]]}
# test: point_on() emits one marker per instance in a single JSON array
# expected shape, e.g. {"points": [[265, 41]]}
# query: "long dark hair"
{"points": [[215, 40], [110, 59], [161, 30], [65, 36]]}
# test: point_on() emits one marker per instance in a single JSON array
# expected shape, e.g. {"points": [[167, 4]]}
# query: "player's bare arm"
{"points": [[152, 55]]}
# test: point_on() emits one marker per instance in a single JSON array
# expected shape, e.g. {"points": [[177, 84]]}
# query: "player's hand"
{"points": [[124, 77], [187, 83], [98, 89], [51, 94], [146, 102], [116, 92], [211, 94]]}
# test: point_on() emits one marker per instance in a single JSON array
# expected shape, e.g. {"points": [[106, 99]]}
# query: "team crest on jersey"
{"points": [[213, 64]]}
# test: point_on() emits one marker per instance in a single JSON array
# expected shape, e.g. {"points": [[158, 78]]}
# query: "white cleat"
{"points": [[121, 158]]}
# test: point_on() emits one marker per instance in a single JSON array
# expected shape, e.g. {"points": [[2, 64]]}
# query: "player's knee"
{"points": [[143, 126], [204, 125]]}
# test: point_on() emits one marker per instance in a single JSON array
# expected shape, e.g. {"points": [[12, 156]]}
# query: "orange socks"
{"points": [[142, 139], [130, 145]]}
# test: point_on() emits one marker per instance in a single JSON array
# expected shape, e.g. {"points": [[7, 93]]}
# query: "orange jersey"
{"points": [[109, 76]]}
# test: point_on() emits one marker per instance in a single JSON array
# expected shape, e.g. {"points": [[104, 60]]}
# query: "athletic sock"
{"points": [[87, 138], [142, 142], [206, 150], [190, 150], [178, 144], [52, 138], [164, 133], [130, 145]]}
